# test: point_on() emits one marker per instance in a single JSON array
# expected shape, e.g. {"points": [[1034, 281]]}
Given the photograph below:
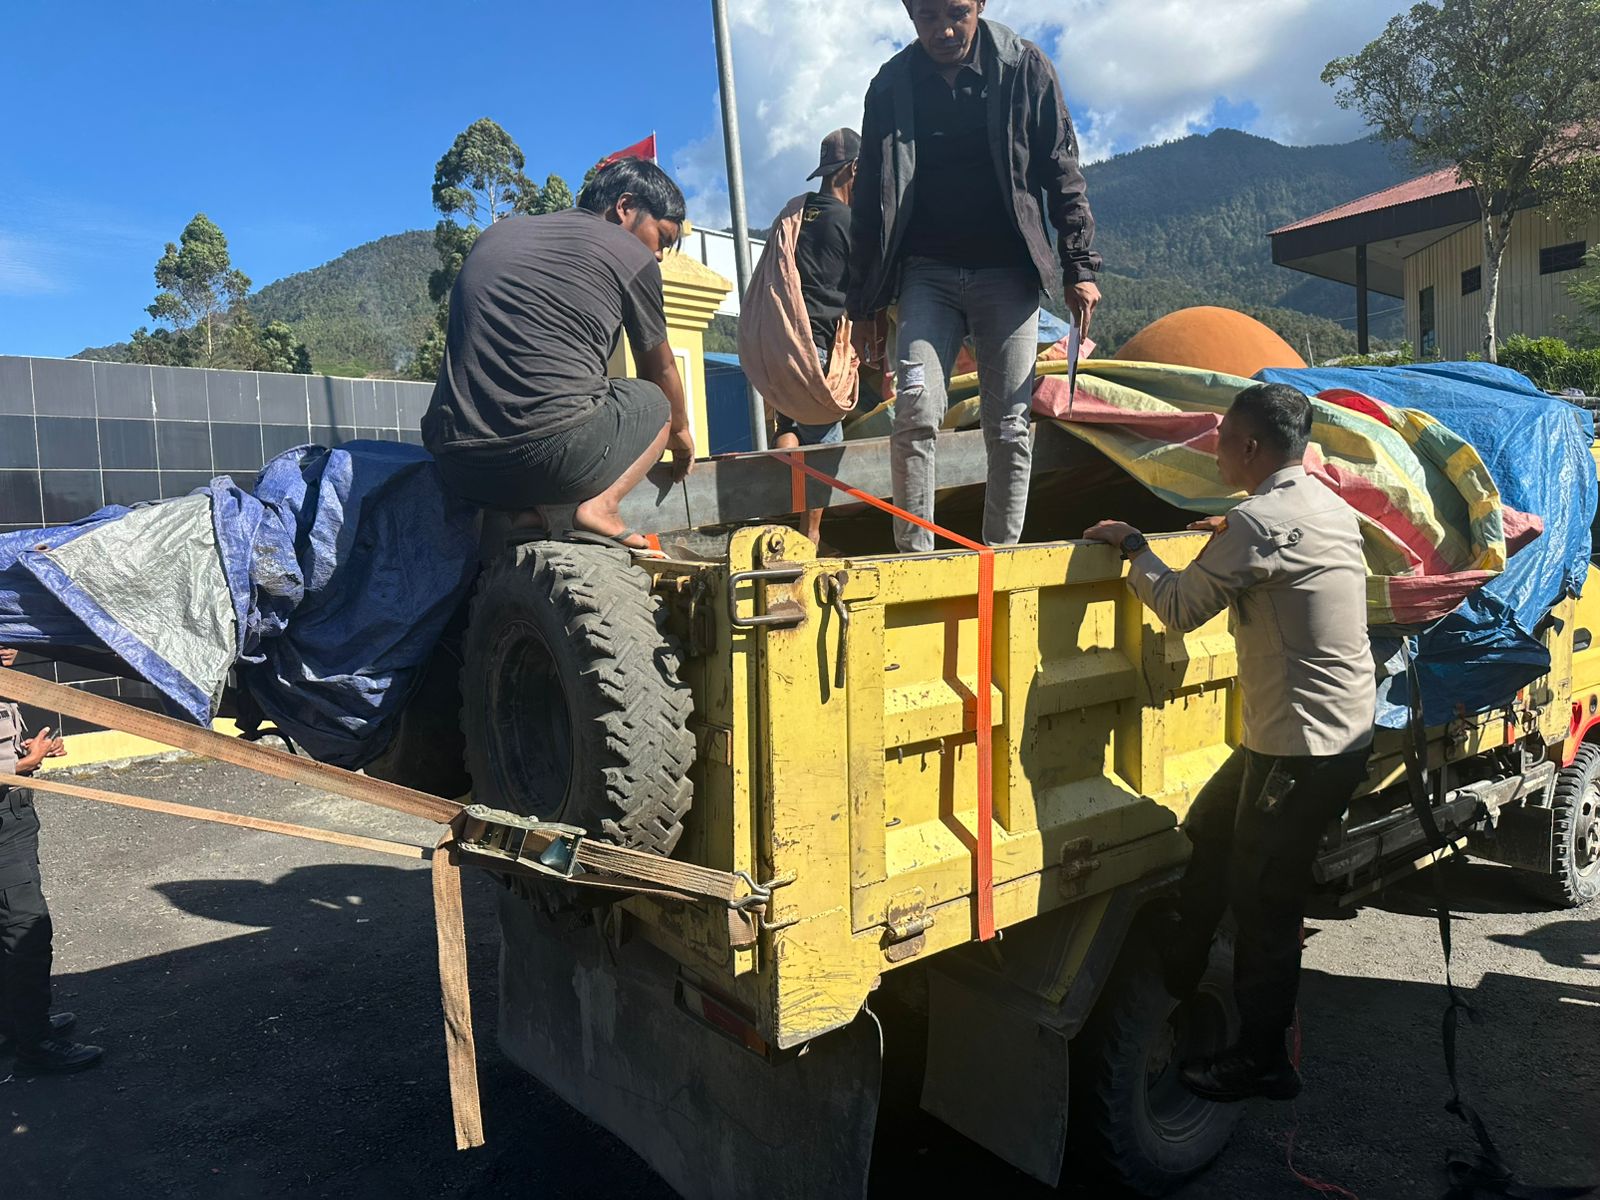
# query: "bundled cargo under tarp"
{"points": [[1469, 537], [1538, 449], [327, 587]]}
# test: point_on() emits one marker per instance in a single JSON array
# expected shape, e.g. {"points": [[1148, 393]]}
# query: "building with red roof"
{"points": [[1420, 242]]}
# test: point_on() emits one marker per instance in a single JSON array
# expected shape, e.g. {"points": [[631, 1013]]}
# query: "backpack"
{"points": [[776, 349]]}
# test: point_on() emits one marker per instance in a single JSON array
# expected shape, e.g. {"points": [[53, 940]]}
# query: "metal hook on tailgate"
{"points": [[784, 615]]}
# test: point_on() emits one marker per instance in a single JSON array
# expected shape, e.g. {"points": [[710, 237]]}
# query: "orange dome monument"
{"points": [[1213, 339]]}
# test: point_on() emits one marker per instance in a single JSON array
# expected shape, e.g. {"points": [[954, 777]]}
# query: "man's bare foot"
{"points": [[606, 521]]}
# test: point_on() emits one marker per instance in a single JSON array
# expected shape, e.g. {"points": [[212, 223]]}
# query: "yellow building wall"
{"points": [[1530, 303], [110, 745], [693, 293]]}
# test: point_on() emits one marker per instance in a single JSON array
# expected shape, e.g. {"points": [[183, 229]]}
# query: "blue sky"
{"points": [[304, 129]]}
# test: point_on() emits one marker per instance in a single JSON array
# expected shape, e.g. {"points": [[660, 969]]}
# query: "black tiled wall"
{"points": [[76, 435]]}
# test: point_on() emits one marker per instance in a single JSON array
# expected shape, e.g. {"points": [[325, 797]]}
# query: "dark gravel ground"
{"points": [[270, 1012]]}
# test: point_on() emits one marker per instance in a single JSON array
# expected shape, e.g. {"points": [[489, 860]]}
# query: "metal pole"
{"points": [[1363, 327], [741, 226]]}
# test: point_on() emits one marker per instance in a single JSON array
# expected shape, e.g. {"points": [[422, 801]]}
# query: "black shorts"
{"points": [[827, 434], [569, 467]]}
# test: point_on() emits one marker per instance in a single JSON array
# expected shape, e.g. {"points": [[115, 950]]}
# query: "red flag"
{"points": [[645, 149]]}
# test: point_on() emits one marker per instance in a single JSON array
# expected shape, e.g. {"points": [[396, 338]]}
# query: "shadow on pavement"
{"points": [[303, 1057], [1471, 887], [301, 1053], [1372, 1116], [1566, 943]]}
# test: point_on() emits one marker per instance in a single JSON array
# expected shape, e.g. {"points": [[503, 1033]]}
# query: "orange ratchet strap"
{"points": [[983, 884]]}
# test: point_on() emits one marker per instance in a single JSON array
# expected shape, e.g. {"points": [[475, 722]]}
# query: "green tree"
{"points": [[199, 285], [453, 243], [480, 178], [430, 354], [283, 351], [205, 301], [554, 196], [478, 181], [157, 348], [1507, 93]]}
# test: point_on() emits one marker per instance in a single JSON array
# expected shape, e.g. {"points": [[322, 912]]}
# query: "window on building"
{"points": [[1472, 281], [1562, 258], [1427, 327]]}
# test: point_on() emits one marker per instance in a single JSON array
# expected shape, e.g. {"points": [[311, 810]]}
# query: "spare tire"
{"points": [[571, 702]]}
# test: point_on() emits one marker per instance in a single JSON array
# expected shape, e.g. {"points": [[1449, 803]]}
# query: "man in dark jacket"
{"points": [[966, 148], [27, 1026]]}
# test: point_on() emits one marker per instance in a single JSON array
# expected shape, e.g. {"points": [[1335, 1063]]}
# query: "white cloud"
{"points": [[1138, 71], [29, 267], [55, 245]]}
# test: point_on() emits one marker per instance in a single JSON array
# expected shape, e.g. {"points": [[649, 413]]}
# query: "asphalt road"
{"points": [[270, 1012]]}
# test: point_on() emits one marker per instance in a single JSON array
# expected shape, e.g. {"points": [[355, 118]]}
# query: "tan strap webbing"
{"points": [[502, 841], [350, 840], [461, 1054], [113, 714]]}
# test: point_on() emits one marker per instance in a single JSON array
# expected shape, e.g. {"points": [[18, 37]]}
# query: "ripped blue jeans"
{"points": [[939, 306]]}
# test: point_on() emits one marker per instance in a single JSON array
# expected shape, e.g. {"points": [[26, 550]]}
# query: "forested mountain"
{"points": [[1187, 222], [1178, 224], [362, 313]]}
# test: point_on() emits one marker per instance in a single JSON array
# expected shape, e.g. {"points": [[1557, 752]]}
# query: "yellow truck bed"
{"points": [[837, 756]]}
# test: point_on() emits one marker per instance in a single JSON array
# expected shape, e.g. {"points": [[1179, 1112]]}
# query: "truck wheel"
{"points": [[1576, 801], [1131, 1112], [571, 702]]}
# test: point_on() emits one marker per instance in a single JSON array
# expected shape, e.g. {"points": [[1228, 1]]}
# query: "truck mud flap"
{"points": [[600, 1026]]}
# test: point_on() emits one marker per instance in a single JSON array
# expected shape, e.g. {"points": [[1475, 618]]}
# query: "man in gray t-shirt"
{"points": [[523, 417]]}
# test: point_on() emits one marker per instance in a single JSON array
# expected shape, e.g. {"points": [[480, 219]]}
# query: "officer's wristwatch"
{"points": [[1132, 544]]}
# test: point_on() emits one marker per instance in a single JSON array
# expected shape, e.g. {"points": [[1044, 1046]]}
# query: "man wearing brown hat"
{"points": [[822, 256], [822, 259]]}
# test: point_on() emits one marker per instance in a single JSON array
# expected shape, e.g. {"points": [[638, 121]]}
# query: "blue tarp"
{"points": [[327, 587], [1537, 448]]}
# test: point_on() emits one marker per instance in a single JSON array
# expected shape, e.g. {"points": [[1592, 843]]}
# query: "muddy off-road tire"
{"points": [[1576, 805], [571, 702], [1131, 1115]]}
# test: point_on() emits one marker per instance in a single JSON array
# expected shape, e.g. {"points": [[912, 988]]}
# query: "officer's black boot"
{"points": [[58, 1055], [1239, 1074]]}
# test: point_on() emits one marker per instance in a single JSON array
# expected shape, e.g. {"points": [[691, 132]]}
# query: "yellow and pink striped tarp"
{"points": [[1433, 524]]}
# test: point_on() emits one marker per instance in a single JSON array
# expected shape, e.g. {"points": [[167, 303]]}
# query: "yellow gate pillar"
{"points": [[693, 294]]}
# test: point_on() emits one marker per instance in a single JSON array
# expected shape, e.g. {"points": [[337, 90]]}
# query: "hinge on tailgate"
{"points": [[1077, 864], [907, 922]]}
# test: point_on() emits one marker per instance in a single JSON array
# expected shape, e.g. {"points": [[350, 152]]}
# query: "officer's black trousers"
{"points": [[1255, 828], [25, 934]]}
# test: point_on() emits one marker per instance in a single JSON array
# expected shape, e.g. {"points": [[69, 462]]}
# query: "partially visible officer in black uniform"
{"points": [[1287, 560], [27, 1026]]}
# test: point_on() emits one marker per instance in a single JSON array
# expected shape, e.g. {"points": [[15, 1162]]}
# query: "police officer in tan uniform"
{"points": [[1288, 562], [28, 1028]]}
